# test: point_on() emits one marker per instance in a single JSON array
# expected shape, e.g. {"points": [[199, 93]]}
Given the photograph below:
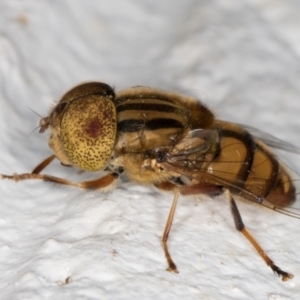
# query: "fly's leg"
{"points": [[168, 186], [212, 190], [241, 227], [99, 183], [172, 267], [43, 164], [202, 188]]}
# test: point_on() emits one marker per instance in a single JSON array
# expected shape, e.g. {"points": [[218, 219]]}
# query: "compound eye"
{"points": [[88, 131]]}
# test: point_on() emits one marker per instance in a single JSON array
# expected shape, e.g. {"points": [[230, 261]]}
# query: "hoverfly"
{"points": [[169, 140]]}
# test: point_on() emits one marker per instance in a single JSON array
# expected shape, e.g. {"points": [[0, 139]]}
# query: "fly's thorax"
{"points": [[149, 118], [83, 127], [143, 170]]}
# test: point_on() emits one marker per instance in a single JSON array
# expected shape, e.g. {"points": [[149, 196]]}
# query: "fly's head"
{"points": [[83, 126]]}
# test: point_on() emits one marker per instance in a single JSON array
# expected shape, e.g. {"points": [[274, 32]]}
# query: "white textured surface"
{"points": [[240, 57]]}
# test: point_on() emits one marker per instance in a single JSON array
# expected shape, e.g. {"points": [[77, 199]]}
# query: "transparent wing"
{"points": [[192, 147], [271, 140], [197, 148]]}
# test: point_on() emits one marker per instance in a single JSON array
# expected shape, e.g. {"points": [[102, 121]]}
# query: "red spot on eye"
{"points": [[94, 128]]}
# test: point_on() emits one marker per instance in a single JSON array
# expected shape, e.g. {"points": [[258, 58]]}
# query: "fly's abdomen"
{"points": [[269, 178], [247, 167]]}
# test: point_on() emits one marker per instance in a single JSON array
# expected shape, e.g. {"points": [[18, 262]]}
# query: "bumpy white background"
{"points": [[239, 57]]}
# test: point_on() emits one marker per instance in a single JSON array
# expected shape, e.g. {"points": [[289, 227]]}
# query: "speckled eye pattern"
{"points": [[88, 132]]}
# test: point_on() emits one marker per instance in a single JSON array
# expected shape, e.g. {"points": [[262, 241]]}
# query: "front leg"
{"points": [[43, 164], [100, 183]]}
